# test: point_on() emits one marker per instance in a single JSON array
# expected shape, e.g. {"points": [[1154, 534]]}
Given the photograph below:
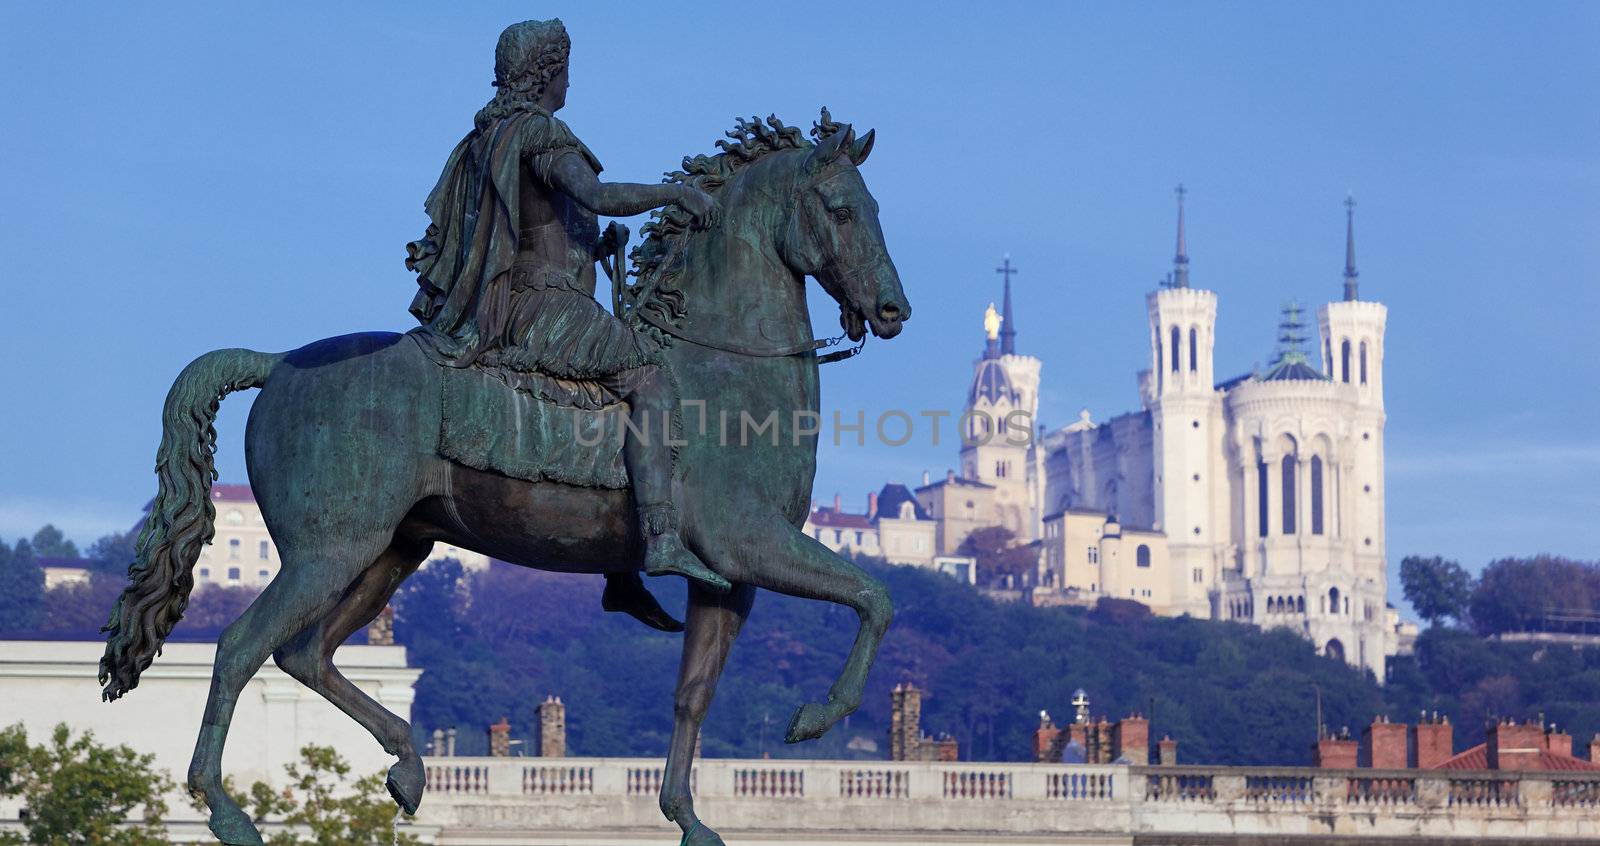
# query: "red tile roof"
{"points": [[839, 519], [232, 493], [1477, 758]]}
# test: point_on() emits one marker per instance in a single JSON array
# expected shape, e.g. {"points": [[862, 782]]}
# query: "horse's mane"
{"points": [[658, 259]]}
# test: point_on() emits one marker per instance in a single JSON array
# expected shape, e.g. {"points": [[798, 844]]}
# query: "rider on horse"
{"points": [[507, 272]]}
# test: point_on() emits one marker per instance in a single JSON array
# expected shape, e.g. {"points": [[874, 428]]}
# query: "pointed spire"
{"points": [[1180, 260], [1350, 273], [1008, 325]]}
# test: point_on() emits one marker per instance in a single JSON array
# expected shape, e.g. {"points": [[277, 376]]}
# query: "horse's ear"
{"points": [[863, 147], [829, 149]]}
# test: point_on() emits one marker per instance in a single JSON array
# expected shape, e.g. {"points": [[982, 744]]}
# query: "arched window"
{"points": [[1327, 357], [1333, 600], [1363, 362], [1300, 605], [1334, 650], [1261, 498], [1316, 494], [1160, 361], [1344, 361], [1194, 349], [1288, 494], [1141, 556], [1177, 348]]}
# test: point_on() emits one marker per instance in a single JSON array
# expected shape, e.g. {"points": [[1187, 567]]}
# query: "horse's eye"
{"points": [[841, 215]]}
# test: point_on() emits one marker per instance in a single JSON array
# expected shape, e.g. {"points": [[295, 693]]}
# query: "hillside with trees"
{"points": [[496, 643]]}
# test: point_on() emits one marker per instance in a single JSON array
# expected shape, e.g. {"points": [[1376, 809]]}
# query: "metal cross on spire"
{"points": [[1180, 259], [1008, 323], [1350, 273]]}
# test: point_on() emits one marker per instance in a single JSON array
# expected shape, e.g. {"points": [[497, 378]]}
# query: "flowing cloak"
{"points": [[471, 240]]}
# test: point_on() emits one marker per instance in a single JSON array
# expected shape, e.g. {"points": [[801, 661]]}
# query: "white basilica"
{"points": [[1257, 498]]}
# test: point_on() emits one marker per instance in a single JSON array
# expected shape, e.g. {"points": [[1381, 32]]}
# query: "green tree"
{"points": [[1436, 587], [1542, 593], [80, 793], [113, 553], [321, 801], [999, 556], [49, 542], [21, 588]]}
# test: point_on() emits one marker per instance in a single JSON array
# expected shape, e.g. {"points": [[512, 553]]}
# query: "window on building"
{"points": [[1160, 361], [1194, 350], [1333, 601], [858, 538], [1199, 575], [233, 548], [1344, 361], [1316, 494], [264, 550], [205, 572], [233, 574], [838, 536], [1094, 555], [1288, 494], [1363, 362], [1300, 604], [1327, 358], [1141, 556], [1261, 498], [1177, 348], [262, 576]]}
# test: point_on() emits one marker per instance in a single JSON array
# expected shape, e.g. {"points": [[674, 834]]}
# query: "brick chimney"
{"points": [[838, 504], [946, 750], [552, 728], [1515, 747], [1594, 750], [1431, 742], [1383, 745], [380, 632], [500, 739], [1335, 753], [1130, 740], [872, 505], [1558, 742], [1167, 752], [1045, 750], [905, 722]]}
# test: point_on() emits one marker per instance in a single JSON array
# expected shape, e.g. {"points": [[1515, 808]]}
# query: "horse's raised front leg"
{"points": [[774, 555], [713, 623]]}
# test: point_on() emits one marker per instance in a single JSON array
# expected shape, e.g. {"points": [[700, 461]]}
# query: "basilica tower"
{"points": [[999, 423], [1352, 356], [1191, 493]]}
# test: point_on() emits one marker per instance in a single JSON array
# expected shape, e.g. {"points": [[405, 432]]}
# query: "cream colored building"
{"points": [[894, 527], [1087, 555], [243, 554], [1267, 488]]}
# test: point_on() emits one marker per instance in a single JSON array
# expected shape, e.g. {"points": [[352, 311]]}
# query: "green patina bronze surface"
{"points": [[524, 421]]}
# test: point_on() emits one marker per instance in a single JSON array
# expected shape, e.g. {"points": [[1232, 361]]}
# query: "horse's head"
{"points": [[833, 234]]}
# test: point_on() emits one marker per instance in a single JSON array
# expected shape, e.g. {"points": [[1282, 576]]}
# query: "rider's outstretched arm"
{"points": [[573, 176]]}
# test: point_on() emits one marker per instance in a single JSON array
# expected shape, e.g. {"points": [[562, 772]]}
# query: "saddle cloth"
{"points": [[489, 425]]}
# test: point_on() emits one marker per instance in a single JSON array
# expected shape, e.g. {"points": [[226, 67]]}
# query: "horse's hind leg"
{"points": [[308, 657], [775, 555], [306, 588], [712, 624]]}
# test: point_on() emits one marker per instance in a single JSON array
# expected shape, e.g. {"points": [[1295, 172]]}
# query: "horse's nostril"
{"points": [[889, 311]]}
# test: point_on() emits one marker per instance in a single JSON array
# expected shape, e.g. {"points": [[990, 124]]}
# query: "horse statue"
{"points": [[363, 453]]}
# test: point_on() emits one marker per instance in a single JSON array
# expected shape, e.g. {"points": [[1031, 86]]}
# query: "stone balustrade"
{"points": [[755, 802]]}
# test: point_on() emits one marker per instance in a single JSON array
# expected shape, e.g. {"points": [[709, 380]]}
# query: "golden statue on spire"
{"points": [[991, 322]]}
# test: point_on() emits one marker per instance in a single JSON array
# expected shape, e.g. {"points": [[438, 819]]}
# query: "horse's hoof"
{"points": [[701, 835], [232, 826], [810, 722], [405, 782]]}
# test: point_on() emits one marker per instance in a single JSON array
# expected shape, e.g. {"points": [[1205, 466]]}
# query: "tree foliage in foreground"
{"points": [[81, 793], [321, 805]]}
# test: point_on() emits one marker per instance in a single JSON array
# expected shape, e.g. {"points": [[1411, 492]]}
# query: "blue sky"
{"points": [[181, 178]]}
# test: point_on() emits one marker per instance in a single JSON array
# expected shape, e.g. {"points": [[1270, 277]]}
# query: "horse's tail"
{"points": [[181, 515]]}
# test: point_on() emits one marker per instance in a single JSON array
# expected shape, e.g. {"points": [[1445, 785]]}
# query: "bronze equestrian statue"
{"points": [[523, 421]]}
